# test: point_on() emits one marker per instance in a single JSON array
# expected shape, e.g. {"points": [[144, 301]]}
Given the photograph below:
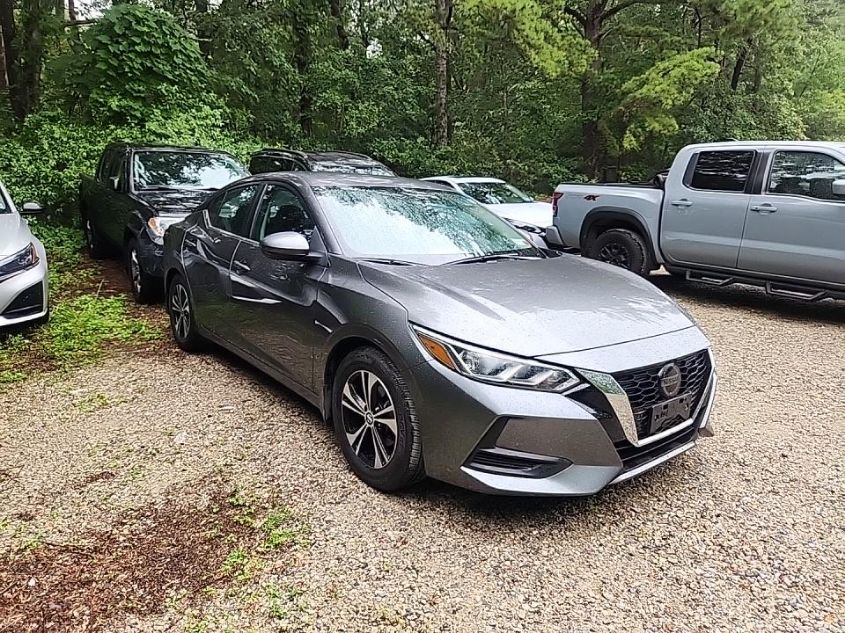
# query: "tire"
{"points": [[93, 242], [624, 248], [145, 288], [366, 431], [183, 325]]}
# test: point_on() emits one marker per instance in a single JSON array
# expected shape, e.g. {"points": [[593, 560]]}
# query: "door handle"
{"points": [[683, 202], [765, 209]]}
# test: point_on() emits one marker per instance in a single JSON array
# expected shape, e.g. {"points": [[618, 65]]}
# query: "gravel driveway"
{"points": [[746, 532]]}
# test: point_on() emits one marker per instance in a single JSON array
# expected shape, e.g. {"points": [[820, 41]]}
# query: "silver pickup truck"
{"points": [[765, 213]]}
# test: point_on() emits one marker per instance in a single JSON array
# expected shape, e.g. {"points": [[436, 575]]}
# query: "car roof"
{"points": [[466, 179], [166, 148], [761, 144], [337, 179], [334, 155]]}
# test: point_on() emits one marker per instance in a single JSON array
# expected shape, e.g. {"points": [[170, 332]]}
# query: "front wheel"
{"points": [[624, 248], [145, 287], [183, 324], [375, 421]]}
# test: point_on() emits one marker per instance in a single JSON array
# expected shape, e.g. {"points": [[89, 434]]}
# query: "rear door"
{"points": [[796, 227], [704, 209], [208, 250]]}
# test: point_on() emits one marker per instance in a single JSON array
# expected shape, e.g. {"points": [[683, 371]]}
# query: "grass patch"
{"points": [[84, 322]]}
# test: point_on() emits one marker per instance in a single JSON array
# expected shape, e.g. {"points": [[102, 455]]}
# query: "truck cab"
{"points": [[767, 213]]}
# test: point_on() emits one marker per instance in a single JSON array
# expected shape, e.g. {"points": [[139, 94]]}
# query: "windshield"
{"points": [[494, 192], [423, 226], [349, 167], [185, 170]]}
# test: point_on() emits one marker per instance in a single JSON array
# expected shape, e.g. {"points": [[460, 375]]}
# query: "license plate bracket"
{"points": [[678, 407]]}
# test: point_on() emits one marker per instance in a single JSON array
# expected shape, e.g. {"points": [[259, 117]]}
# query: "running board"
{"points": [[773, 288]]}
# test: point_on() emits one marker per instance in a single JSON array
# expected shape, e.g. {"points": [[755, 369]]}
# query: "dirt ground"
{"points": [[167, 492]]}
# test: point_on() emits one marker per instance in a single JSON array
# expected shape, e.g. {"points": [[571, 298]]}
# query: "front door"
{"points": [[208, 250], [796, 228], [273, 300], [704, 209]]}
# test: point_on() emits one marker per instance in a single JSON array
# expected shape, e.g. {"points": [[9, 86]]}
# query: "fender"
{"points": [[619, 217]]}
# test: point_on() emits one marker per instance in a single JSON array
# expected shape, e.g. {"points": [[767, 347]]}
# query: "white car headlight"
{"points": [[20, 261], [492, 367]]}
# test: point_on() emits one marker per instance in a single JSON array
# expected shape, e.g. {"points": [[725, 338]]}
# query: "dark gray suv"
{"points": [[436, 338]]}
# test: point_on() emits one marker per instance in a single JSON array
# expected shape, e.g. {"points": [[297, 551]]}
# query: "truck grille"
{"points": [[643, 389]]}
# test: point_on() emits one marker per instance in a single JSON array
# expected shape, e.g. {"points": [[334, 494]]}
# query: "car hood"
{"points": [[531, 307], [536, 213], [174, 201], [14, 234]]}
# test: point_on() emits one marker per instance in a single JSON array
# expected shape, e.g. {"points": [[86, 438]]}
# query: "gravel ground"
{"points": [[746, 532]]}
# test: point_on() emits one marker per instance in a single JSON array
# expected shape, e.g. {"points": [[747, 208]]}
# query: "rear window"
{"points": [[722, 171]]}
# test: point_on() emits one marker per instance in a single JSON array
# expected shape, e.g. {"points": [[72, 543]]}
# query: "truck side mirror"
{"points": [[839, 187]]}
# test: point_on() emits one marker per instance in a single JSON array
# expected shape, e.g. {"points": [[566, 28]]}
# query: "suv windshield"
{"points": [[494, 192], [185, 170], [424, 226]]}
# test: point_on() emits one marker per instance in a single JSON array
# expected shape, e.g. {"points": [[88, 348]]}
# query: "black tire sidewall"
{"points": [[638, 256], [405, 467]]}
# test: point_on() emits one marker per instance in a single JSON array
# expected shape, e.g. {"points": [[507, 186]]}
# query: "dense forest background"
{"points": [[537, 91]]}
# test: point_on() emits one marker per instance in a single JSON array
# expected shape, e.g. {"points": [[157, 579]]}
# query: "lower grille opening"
{"points": [[28, 302], [504, 461], [634, 456]]}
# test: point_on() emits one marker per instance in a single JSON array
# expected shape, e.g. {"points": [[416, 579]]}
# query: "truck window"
{"points": [[722, 171], [806, 174]]}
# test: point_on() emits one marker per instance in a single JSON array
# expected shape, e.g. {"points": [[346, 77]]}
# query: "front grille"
{"points": [[30, 301], [643, 388]]}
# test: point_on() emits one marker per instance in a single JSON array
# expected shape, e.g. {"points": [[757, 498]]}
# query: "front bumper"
{"points": [[503, 440], [150, 255], [553, 238], [24, 296]]}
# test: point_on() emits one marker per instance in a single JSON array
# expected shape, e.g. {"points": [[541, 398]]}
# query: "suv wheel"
{"points": [[183, 325], [375, 421], [624, 248], [144, 287], [93, 242]]}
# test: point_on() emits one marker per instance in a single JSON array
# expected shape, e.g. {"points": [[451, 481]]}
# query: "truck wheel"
{"points": [[624, 248], [145, 288], [93, 241]]}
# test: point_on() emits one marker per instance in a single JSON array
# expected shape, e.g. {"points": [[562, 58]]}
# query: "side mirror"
{"points": [[31, 208], [289, 246], [114, 181], [839, 188]]}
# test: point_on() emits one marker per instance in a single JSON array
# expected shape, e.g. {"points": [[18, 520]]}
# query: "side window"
{"points": [[232, 212], [806, 174], [722, 171], [281, 210], [117, 169]]}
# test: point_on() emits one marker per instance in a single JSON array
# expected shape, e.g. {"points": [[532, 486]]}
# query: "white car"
{"points": [[506, 201], [23, 266]]}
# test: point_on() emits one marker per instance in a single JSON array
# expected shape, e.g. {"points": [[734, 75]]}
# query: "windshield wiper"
{"points": [[492, 257], [387, 260]]}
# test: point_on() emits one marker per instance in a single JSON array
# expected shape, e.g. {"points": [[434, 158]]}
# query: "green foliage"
{"points": [[133, 62]]}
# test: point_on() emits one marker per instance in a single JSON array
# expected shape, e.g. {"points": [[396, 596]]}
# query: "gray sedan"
{"points": [[23, 266], [436, 339]]}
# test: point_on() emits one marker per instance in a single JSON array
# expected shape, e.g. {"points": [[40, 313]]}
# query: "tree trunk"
{"points": [[17, 100], [593, 145], [736, 76], [302, 54], [443, 10], [4, 80], [71, 10], [336, 9]]}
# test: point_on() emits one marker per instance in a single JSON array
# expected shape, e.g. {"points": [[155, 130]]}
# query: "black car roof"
{"points": [[335, 155], [166, 148], [336, 179]]}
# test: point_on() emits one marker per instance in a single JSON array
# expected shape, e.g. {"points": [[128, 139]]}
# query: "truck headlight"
{"points": [[19, 262], [157, 225], [493, 367]]}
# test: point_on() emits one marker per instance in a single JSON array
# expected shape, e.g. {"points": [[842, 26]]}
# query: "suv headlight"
{"points": [[19, 262], [493, 367]]}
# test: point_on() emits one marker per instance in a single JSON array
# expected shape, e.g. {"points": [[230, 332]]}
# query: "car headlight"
{"points": [[156, 226], [20, 261], [492, 367]]}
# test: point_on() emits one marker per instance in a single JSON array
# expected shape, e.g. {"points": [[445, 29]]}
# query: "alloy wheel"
{"points": [[135, 271], [616, 254], [369, 419], [180, 311]]}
